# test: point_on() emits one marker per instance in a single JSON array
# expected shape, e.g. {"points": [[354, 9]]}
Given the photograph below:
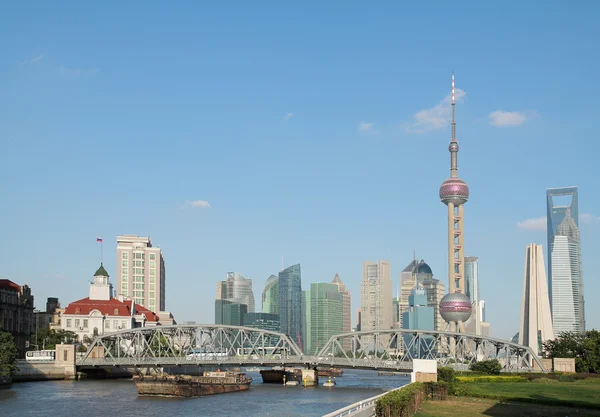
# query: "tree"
{"points": [[490, 367], [584, 347], [8, 354], [48, 339]]}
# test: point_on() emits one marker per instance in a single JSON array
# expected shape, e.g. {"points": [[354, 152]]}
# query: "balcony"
{"points": [[457, 247], [457, 218]]}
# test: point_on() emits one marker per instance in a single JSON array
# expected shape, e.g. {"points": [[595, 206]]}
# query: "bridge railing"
{"points": [[364, 408]]}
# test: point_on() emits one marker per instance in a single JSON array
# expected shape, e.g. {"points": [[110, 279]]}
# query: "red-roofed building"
{"points": [[102, 313]]}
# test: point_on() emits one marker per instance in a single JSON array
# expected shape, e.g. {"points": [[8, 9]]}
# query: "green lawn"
{"points": [[482, 407], [584, 393]]}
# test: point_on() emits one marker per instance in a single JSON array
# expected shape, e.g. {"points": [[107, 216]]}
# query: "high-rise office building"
{"points": [[565, 278], [376, 296], [264, 321], [473, 326], [418, 316], [230, 313], [455, 307], [420, 273], [306, 314], [270, 296], [346, 309], [141, 272], [326, 314], [536, 320], [238, 289], [290, 302]]}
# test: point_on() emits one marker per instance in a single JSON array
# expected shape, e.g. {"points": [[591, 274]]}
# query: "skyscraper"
{"points": [[420, 273], [472, 291], [270, 296], [565, 278], [536, 320], [326, 314], [455, 307], [141, 272], [376, 296], [238, 289], [290, 302], [346, 308]]}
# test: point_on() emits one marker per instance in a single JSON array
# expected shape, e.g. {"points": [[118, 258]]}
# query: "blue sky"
{"points": [[314, 131]]}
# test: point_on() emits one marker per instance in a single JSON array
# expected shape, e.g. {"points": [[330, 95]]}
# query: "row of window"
{"points": [[138, 255], [83, 323]]}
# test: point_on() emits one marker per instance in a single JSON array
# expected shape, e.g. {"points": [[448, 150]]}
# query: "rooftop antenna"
{"points": [[282, 268]]}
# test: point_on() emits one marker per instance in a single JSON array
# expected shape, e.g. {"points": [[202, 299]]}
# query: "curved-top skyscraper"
{"points": [[455, 307]]}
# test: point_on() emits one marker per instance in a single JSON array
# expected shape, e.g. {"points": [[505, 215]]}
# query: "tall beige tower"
{"points": [[376, 296], [536, 319], [141, 272], [455, 307]]}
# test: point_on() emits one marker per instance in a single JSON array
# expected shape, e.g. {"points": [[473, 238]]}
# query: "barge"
{"points": [[191, 386]]}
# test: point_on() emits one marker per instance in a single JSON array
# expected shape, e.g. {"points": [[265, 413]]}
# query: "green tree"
{"points": [[8, 354], [583, 347], [490, 367], [48, 339]]}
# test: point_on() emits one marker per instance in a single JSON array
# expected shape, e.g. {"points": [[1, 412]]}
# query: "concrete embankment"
{"points": [[364, 408]]}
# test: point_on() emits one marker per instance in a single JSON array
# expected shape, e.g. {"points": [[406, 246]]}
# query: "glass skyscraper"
{"points": [[326, 314], [565, 280], [290, 302], [270, 296]]}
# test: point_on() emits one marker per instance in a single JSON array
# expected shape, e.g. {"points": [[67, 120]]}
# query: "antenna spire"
{"points": [[453, 103]]}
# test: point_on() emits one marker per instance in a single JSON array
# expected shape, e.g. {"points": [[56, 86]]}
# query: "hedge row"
{"points": [[490, 378], [401, 403]]}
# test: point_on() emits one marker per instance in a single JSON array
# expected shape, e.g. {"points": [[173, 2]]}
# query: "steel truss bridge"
{"points": [[222, 346]]}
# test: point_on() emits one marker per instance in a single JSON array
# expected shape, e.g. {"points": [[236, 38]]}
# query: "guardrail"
{"points": [[364, 408]]}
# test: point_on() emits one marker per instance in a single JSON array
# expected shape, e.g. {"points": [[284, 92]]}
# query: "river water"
{"points": [[117, 398]]}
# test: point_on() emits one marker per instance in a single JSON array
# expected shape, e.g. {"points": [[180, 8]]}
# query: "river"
{"points": [[112, 398]]}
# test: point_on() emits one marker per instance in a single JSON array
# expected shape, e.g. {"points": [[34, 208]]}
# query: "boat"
{"points": [[330, 372], [280, 375], [191, 386]]}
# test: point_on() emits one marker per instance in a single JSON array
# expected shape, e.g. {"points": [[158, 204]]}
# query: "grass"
{"points": [[479, 407], [580, 394]]}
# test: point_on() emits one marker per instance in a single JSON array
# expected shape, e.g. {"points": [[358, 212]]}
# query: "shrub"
{"points": [[436, 390], [446, 374], [490, 367], [491, 378], [401, 403]]}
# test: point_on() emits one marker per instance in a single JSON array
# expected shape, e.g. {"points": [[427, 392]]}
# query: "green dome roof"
{"points": [[101, 272]]}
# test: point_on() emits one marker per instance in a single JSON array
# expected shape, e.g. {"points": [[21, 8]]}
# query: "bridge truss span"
{"points": [[397, 348], [190, 345]]}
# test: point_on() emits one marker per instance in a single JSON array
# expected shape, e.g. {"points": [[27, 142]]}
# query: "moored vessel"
{"points": [[330, 372], [191, 386]]}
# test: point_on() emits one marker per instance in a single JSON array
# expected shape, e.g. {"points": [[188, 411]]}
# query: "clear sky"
{"points": [[314, 130]]}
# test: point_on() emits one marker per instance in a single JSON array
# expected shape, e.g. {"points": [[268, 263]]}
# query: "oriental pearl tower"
{"points": [[455, 307]]}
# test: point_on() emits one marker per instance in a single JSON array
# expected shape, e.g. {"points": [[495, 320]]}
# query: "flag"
{"points": [[99, 239]]}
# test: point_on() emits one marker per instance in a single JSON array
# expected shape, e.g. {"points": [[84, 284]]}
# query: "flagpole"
{"points": [[101, 251]]}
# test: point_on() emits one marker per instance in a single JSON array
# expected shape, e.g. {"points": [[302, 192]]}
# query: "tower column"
{"points": [[461, 251], [451, 246]]}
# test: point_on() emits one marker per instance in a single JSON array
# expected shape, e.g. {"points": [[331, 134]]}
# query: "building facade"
{"points": [[141, 272], [536, 319], [238, 289], [565, 277], [230, 313], [270, 296], [101, 313], [346, 308], [419, 272], [290, 302], [16, 314], [419, 315], [326, 314], [50, 318], [375, 299]]}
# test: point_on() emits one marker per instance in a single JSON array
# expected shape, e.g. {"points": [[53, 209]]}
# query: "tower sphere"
{"points": [[455, 307], [454, 190]]}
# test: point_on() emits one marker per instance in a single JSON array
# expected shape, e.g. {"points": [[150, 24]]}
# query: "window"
{"points": [[138, 256], [138, 263], [116, 312], [85, 323], [124, 278], [152, 256], [151, 287], [68, 322], [152, 271], [95, 331], [124, 264], [125, 255], [152, 279], [76, 323], [152, 264], [151, 295], [124, 287], [115, 324], [107, 324], [123, 324], [65, 353]]}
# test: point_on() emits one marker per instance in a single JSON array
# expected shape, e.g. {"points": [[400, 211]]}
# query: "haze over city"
{"points": [[234, 137]]}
